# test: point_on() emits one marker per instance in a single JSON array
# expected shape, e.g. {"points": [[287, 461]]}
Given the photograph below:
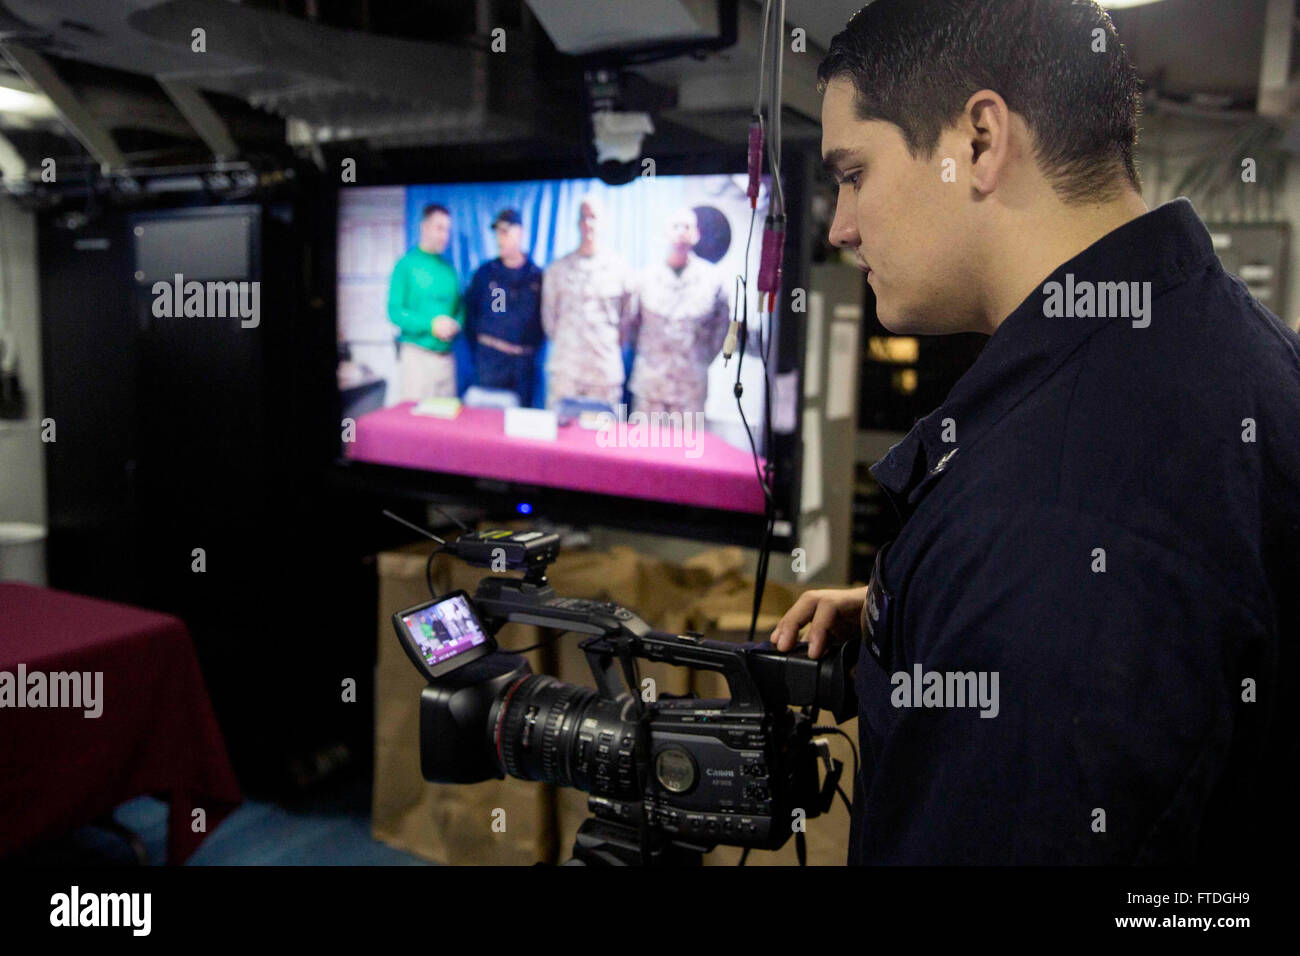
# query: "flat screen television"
{"points": [[588, 382]]}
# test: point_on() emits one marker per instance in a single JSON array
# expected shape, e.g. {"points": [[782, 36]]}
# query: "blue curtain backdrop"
{"points": [[633, 225]]}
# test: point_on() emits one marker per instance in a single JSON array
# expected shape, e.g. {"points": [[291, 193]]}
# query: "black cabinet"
{"points": [[210, 429], [89, 375]]}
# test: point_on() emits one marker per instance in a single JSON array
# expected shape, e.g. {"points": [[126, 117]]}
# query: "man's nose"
{"points": [[844, 227]]}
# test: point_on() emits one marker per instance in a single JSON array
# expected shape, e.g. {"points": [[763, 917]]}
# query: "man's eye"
{"points": [[851, 179]]}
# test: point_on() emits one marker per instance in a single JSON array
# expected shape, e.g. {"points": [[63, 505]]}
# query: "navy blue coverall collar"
{"points": [[1162, 247]]}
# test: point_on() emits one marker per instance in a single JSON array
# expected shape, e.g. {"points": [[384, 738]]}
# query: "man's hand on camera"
{"points": [[833, 615]]}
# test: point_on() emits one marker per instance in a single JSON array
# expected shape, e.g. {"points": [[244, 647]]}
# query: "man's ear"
{"points": [[986, 120]]}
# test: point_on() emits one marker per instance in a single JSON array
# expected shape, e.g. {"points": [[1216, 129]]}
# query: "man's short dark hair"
{"points": [[433, 207], [915, 63]]}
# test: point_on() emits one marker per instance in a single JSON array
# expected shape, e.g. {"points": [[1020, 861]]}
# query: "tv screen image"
{"points": [[444, 630], [468, 311]]}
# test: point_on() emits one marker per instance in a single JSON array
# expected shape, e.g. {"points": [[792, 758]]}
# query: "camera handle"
{"points": [[680, 649], [616, 630]]}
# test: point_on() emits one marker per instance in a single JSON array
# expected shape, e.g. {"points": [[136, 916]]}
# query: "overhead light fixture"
{"points": [[21, 103]]}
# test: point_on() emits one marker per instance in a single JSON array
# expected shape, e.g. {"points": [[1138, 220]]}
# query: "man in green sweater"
{"points": [[425, 303]]}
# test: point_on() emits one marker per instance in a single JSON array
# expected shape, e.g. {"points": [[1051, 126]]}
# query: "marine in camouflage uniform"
{"points": [[588, 305], [682, 319]]}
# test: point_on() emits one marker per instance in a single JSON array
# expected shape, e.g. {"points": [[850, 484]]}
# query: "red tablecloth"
{"points": [[60, 769], [709, 474]]}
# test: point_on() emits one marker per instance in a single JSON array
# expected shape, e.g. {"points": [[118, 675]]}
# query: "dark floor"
{"points": [[331, 828]]}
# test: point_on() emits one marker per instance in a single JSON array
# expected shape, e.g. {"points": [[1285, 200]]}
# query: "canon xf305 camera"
{"points": [[670, 778]]}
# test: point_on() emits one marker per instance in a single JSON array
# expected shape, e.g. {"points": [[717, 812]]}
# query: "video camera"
{"points": [[668, 778]]}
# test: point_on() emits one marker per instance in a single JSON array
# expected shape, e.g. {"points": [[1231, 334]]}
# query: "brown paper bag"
{"points": [[496, 822]]}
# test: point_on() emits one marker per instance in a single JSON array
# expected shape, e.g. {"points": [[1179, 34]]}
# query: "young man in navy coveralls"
{"points": [[1102, 521], [503, 313]]}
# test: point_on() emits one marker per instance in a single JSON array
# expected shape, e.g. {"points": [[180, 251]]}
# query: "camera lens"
{"points": [[564, 734]]}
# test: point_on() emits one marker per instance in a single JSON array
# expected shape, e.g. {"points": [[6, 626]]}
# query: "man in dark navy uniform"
{"points": [[503, 313], [1080, 648]]}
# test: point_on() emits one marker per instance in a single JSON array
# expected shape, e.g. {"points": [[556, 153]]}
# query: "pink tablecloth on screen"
{"points": [[474, 443]]}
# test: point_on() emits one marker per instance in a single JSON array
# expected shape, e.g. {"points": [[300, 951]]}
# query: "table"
{"points": [[709, 474], [156, 732]]}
